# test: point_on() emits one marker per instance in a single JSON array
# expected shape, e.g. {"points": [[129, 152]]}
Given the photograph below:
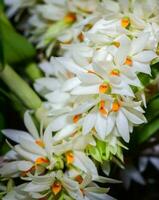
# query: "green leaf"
{"points": [[2, 63], [152, 110], [94, 152], [16, 48], [143, 133], [1, 5], [2, 125]]}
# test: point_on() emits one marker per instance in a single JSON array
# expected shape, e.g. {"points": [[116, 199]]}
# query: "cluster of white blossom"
{"points": [[51, 21], [94, 99]]}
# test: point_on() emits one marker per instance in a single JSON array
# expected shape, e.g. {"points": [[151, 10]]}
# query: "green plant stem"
{"points": [[33, 72], [20, 88]]}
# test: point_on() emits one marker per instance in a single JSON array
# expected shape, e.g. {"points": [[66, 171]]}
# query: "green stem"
{"points": [[20, 88], [33, 72]]}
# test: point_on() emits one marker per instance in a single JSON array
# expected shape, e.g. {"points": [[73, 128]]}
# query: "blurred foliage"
{"points": [[14, 48], [145, 131]]}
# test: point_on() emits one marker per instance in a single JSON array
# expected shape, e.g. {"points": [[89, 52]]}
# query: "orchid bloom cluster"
{"points": [[51, 21], [94, 99]]}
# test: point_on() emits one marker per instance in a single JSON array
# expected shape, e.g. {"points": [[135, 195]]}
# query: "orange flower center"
{"points": [[128, 61], [56, 187], [117, 44], [70, 18], [41, 160], [40, 143], [125, 22], [79, 179], [102, 109], [104, 88], [115, 72], [81, 37], [69, 157], [76, 118], [116, 106]]}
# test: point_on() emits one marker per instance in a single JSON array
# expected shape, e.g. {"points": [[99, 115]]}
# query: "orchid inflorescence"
{"points": [[93, 95]]}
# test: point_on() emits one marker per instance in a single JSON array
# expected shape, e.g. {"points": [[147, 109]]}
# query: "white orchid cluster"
{"points": [[94, 99], [51, 21], [52, 168]]}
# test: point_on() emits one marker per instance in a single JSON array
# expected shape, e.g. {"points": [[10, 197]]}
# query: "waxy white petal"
{"points": [[28, 121], [89, 123], [17, 136], [122, 125], [139, 43]]}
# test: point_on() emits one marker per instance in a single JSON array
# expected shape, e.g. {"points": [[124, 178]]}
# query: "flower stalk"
{"points": [[20, 88]]}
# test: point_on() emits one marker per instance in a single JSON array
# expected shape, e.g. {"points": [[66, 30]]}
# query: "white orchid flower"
{"points": [[109, 114], [33, 148], [17, 193], [40, 186], [135, 55]]}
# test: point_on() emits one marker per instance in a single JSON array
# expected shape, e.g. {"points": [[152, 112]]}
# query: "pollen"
{"points": [[76, 118], [102, 109], [125, 22], [70, 18], [128, 61], [79, 179], [116, 106], [117, 44], [115, 72], [56, 187], [40, 143], [104, 88], [69, 157], [41, 160]]}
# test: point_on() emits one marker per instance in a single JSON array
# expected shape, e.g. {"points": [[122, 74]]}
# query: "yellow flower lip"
{"points": [[104, 88], [69, 157], [115, 72], [116, 106], [81, 37], [40, 143], [41, 160], [70, 18], [76, 118], [116, 43], [125, 22], [79, 179], [102, 109], [128, 61], [56, 187]]}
